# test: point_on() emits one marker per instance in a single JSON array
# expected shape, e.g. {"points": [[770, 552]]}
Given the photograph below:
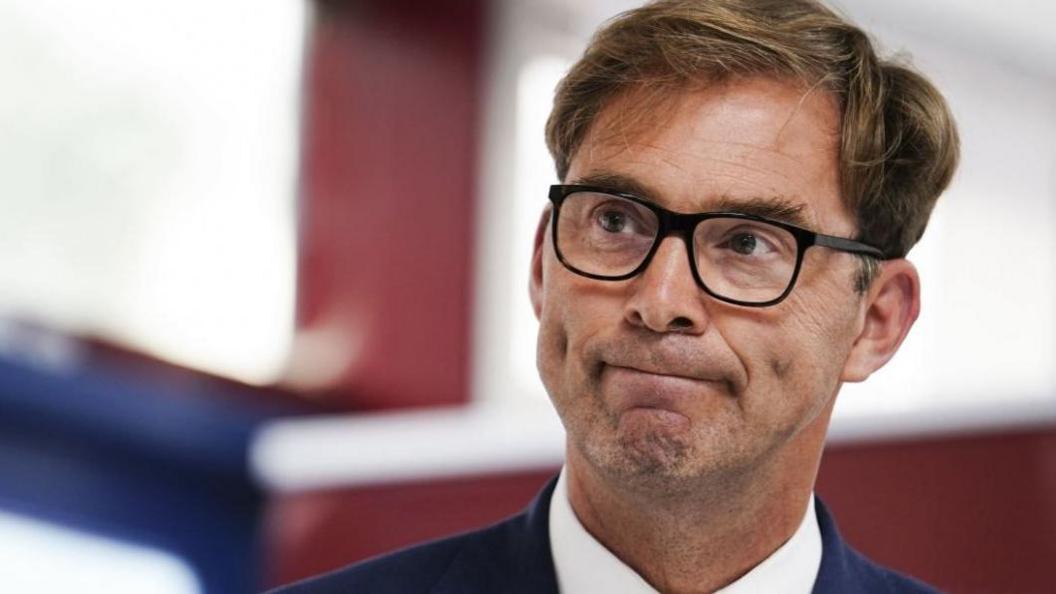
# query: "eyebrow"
{"points": [[777, 208], [618, 183]]}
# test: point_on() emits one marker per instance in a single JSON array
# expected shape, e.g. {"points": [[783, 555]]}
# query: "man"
{"points": [[741, 182]]}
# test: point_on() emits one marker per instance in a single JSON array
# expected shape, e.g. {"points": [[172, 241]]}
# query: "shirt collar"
{"points": [[583, 564]]}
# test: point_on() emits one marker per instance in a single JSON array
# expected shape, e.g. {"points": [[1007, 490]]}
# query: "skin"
{"points": [[695, 427]]}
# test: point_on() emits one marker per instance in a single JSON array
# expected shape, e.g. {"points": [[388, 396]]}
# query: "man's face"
{"points": [[655, 381]]}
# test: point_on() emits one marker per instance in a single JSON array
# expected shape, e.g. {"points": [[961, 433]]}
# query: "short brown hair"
{"points": [[898, 141]]}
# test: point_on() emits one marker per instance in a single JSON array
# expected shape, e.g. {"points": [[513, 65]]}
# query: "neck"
{"points": [[702, 540]]}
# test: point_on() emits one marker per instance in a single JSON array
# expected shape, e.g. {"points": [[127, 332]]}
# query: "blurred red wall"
{"points": [[387, 206], [973, 514], [969, 514]]}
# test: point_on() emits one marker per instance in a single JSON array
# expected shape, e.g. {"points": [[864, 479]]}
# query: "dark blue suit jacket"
{"points": [[513, 557]]}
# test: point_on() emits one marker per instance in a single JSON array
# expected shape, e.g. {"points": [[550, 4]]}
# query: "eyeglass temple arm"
{"points": [[848, 245]]}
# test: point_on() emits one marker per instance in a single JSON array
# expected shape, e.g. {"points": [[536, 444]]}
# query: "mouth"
{"points": [[659, 371], [633, 388]]}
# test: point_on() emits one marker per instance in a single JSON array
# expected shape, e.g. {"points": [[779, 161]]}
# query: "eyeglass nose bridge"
{"points": [[682, 226]]}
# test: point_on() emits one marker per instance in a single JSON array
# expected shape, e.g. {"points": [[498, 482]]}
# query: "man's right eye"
{"points": [[612, 221]]}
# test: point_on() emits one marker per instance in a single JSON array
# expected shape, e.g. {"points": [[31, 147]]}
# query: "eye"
{"points": [[618, 217], [750, 242], [612, 221], [744, 243]]}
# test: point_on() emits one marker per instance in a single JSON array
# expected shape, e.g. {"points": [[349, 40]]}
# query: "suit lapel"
{"points": [[842, 571], [536, 563]]}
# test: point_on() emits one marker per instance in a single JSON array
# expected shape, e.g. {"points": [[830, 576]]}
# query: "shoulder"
{"points": [[502, 557], [846, 571], [415, 569]]}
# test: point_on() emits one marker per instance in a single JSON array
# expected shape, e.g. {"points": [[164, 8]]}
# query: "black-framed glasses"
{"points": [[738, 258]]}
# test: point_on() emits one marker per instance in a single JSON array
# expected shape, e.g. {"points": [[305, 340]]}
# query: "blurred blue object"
{"points": [[133, 458]]}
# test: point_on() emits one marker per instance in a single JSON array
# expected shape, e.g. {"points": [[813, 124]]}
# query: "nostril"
{"points": [[681, 323]]}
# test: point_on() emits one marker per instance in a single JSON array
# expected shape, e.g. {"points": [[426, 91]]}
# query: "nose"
{"points": [[665, 297]]}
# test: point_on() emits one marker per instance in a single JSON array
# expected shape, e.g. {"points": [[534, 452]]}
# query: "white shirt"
{"points": [[584, 566]]}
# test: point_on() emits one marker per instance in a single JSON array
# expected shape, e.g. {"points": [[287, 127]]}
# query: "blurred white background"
{"points": [[40, 558], [148, 162]]}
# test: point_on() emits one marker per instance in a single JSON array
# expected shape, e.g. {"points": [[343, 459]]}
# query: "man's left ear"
{"points": [[892, 304]]}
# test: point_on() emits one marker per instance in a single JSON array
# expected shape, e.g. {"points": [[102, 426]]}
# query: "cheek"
{"points": [[780, 366], [817, 344], [575, 312], [552, 346], [559, 325], [555, 293], [793, 357], [820, 313]]}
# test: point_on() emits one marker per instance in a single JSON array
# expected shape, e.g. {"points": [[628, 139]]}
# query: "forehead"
{"points": [[742, 140]]}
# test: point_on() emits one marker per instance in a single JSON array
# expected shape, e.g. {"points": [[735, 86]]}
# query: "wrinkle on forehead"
{"points": [[639, 115], [777, 136]]}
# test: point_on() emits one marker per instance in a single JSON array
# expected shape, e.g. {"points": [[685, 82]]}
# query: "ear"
{"points": [[891, 305], [535, 281]]}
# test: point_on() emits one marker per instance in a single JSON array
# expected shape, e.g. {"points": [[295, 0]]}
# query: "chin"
{"points": [[646, 460], [664, 461], [654, 453]]}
